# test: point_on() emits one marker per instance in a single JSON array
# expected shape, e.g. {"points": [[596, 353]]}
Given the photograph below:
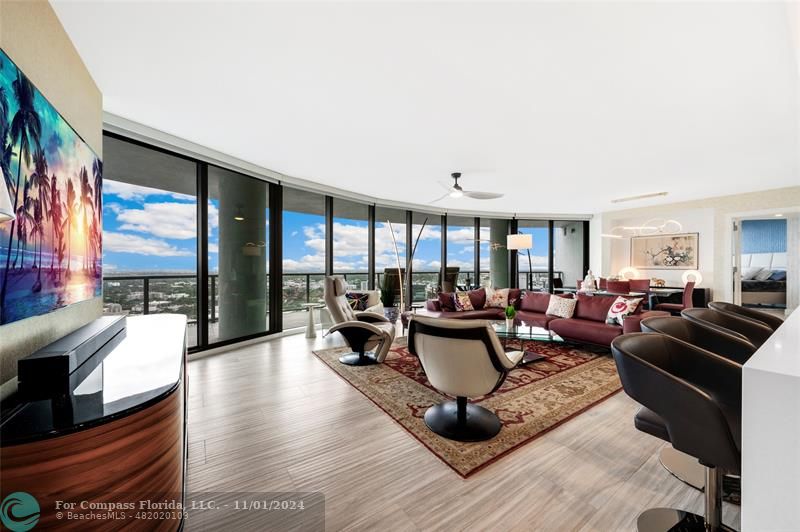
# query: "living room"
{"points": [[339, 266]]}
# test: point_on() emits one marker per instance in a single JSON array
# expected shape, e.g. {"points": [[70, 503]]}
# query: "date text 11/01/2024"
{"points": [[244, 504]]}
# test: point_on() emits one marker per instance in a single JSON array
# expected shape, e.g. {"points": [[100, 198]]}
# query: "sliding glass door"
{"points": [[242, 257], [149, 233]]}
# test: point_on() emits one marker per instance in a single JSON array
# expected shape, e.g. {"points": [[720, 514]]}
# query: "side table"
{"points": [[311, 329]]}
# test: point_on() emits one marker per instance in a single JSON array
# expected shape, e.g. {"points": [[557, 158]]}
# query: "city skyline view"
{"points": [[151, 230]]}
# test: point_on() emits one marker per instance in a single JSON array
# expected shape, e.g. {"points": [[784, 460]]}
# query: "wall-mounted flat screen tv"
{"points": [[51, 252]]}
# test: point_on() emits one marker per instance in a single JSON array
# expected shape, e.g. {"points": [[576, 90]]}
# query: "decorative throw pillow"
{"points": [[357, 300], [621, 308], [561, 307], [478, 298], [496, 298], [446, 301], [462, 301], [749, 273], [763, 275], [778, 275]]}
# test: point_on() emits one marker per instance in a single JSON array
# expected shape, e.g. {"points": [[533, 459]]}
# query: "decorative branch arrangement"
{"points": [[397, 257]]}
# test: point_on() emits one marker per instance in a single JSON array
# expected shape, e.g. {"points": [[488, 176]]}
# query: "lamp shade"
{"points": [[692, 275], [6, 210], [519, 241]]}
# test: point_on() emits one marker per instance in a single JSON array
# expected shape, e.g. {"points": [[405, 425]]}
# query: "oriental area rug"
{"points": [[533, 400]]}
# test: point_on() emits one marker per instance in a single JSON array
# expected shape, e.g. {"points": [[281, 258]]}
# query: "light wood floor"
{"points": [[272, 417]]}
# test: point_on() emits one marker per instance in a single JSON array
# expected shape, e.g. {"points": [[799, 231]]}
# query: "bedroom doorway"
{"points": [[761, 263]]}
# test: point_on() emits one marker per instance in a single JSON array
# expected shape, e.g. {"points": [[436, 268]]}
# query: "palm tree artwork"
{"points": [[50, 253]]}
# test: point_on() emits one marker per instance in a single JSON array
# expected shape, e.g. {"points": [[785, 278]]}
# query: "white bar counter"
{"points": [[771, 433]]}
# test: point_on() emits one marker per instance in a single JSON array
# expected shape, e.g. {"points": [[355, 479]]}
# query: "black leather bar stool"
{"points": [[691, 398], [725, 344], [773, 322], [720, 342], [756, 333]]}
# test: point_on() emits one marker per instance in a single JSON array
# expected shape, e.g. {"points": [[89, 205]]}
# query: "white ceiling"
{"points": [[561, 106]]}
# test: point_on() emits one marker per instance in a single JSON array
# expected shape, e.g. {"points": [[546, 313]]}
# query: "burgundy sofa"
{"points": [[587, 325]]}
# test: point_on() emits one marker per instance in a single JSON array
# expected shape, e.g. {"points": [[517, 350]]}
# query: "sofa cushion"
{"points": [[593, 308], [485, 314], [589, 331], [537, 319], [446, 302], [560, 307], [478, 298]]}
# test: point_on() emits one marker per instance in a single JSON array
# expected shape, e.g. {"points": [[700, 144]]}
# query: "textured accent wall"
{"points": [[764, 236], [32, 36]]}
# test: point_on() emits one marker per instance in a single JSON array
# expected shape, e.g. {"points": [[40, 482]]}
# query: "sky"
{"points": [[147, 229], [65, 153]]}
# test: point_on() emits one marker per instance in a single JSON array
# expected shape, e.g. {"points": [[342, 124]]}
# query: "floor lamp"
{"points": [[522, 241]]}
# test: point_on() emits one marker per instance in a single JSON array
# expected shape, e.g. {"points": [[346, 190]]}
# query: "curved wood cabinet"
{"points": [[125, 444]]}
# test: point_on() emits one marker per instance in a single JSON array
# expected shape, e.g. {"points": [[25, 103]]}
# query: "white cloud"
{"points": [[129, 192], [213, 247], [125, 243], [165, 220]]}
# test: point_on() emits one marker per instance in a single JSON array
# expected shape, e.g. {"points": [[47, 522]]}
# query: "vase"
{"points": [[509, 323], [390, 313]]}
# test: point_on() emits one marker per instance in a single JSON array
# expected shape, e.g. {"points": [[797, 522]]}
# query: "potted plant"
{"points": [[387, 298], [511, 313]]}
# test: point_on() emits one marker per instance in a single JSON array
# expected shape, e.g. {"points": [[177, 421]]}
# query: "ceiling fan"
{"points": [[455, 191]]}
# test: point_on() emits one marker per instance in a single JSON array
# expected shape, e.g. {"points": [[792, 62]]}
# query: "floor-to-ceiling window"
{"points": [[533, 270], [303, 253], [568, 252], [390, 222], [152, 234], [426, 230], [351, 241], [493, 253], [461, 249], [238, 255], [149, 232]]}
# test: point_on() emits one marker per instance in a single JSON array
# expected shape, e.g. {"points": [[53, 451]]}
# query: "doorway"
{"points": [[761, 263]]}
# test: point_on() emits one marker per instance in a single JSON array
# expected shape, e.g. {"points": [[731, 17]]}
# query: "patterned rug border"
{"points": [[441, 458]]}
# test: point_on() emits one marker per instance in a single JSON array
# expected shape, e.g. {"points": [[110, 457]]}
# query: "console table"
{"points": [[119, 435]]}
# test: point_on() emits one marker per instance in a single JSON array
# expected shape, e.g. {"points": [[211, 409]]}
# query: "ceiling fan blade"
{"points": [[482, 195], [439, 199], [445, 186]]}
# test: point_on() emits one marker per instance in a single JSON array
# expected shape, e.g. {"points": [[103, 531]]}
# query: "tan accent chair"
{"points": [[461, 358], [361, 330]]}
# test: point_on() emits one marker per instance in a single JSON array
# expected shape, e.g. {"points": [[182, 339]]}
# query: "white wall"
{"points": [[712, 219], [694, 221]]}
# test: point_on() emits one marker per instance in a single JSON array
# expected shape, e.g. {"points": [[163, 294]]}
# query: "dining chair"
{"points": [[618, 287], [676, 308]]}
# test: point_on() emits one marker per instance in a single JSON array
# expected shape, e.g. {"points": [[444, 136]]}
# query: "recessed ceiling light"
{"points": [[641, 196], [779, 215]]}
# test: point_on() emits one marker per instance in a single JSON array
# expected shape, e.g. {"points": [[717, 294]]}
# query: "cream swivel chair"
{"points": [[461, 358], [361, 330]]}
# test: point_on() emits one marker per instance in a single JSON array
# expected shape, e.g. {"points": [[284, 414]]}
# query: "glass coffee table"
{"points": [[525, 333]]}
